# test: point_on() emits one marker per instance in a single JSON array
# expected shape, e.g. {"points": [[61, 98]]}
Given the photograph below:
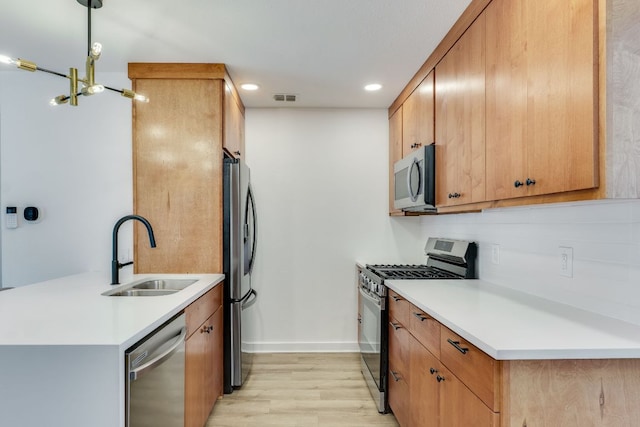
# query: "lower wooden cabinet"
{"points": [[423, 390], [203, 357]]}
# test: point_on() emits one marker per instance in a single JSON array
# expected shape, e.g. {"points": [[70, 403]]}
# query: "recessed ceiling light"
{"points": [[249, 86], [373, 87]]}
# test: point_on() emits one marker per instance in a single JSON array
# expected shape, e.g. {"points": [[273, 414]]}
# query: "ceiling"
{"points": [[323, 51]]}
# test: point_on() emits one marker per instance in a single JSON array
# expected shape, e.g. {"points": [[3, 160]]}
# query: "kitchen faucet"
{"points": [[115, 264]]}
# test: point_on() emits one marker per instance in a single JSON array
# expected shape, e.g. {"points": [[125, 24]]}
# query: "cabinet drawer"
{"points": [[399, 308], [425, 329], [399, 340], [399, 395], [202, 308], [473, 367]]}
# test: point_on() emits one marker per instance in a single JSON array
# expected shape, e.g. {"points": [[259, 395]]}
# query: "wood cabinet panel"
{"points": [[506, 100], [399, 339], [233, 142], [426, 330], [562, 95], [476, 369], [460, 120], [395, 154], [197, 378], [199, 310], [418, 117], [399, 308], [177, 165], [459, 407], [424, 389], [591, 392], [542, 97], [203, 357]]}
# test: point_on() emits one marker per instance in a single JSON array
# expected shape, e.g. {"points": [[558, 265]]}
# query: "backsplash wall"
{"points": [[604, 235]]}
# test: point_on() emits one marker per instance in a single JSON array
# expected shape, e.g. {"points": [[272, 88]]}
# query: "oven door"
{"points": [[372, 339]]}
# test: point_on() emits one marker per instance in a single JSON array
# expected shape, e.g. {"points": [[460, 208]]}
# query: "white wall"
{"points": [[74, 164], [320, 179], [604, 235]]}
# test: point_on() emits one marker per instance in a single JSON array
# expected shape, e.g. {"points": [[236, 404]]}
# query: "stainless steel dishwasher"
{"points": [[155, 377]]}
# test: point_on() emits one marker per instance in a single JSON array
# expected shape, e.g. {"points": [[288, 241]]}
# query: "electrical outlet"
{"points": [[495, 254], [566, 261]]}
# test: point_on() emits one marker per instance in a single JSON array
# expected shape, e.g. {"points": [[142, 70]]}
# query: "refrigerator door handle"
{"points": [[250, 299]]}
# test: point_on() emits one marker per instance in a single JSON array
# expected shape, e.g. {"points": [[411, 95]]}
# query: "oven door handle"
{"points": [[379, 302], [135, 374]]}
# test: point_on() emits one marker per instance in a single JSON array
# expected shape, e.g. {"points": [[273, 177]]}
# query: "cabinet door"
{"points": [[177, 163], [424, 389], [418, 117], [561, 101], [395, 154], [398, 379], [460, 120], [541, 98], [197, 377], [233, 142], [506, 100], [459, 407]]}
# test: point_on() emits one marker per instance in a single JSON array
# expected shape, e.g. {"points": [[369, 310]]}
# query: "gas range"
{"points": [[446, 259]]}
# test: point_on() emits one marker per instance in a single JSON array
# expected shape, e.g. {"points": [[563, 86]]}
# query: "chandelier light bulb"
{"points": [[62, 99], [8, 60], [96, 50]]}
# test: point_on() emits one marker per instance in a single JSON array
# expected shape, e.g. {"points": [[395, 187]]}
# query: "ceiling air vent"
{"points": [[284, 97]]}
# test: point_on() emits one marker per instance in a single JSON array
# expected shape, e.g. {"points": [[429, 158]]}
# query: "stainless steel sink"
{"points": [[142, 292], [151, 288], [173, 284]]}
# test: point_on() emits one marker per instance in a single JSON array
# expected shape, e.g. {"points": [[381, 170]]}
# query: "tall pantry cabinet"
{"points": [[194, 114]]}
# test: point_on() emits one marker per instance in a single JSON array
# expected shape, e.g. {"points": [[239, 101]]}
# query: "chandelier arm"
{"points": [[44, 70], [88, 28]]}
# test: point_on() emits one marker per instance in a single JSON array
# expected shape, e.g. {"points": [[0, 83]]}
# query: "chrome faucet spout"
{"points": [[115, 264]]}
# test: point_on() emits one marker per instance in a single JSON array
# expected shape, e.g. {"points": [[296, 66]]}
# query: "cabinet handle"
{"points": [[518, 184], [531, 182], [456, 344], [395, 326], [395, 376], [420, 316], [433, 371], [439, 378], [396, 298]]}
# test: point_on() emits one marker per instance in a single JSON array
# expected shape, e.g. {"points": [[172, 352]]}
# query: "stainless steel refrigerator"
{"points": [[239, 256]]}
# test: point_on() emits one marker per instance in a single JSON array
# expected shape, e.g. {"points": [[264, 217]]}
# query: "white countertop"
{"points": [[72, 311], [511, 325]]}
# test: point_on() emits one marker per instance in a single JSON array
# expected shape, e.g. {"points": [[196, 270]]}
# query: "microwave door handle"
{"points": [[413, 194]]}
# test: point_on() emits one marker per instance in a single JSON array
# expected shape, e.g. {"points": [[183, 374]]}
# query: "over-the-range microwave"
{"points": [[415, 181]]}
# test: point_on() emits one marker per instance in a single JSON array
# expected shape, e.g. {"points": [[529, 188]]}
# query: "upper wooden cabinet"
{"points": [[418, 116], [460, 120], [541, 98], [177, 163], [233, 142]]}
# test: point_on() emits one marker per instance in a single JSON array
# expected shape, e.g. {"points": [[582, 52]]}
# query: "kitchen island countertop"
{"points": [[511, 325], [62, 345]]}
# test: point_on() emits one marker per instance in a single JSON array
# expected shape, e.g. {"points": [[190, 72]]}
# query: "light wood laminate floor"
{"points": [[301, 390]]}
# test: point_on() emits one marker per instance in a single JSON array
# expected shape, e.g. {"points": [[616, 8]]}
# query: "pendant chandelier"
{"points": [[87, 85]]}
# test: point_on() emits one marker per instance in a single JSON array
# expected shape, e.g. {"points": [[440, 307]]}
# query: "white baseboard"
{"points": [[301, 347]]}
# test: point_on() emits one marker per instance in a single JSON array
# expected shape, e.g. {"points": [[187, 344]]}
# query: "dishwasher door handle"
{"points": [[137, 373]]}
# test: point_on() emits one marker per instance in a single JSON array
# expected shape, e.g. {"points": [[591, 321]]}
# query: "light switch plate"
{"points": [[566, 261]]}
